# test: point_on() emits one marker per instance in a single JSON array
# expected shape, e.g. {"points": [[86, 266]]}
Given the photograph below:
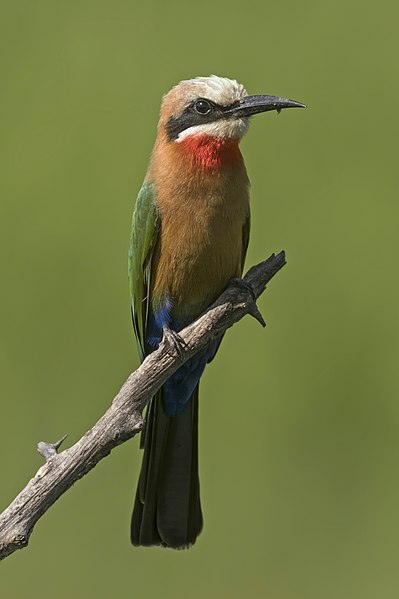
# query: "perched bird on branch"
{"points": [[189, 238]]}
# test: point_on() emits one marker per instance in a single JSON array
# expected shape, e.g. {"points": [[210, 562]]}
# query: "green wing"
{"points": [[245, 240], [145, 226]]}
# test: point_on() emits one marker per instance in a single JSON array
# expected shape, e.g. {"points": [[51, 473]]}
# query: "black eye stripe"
{"points": [[191, 117]]}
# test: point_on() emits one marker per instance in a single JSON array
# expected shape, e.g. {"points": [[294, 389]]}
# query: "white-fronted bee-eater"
{"points": [[189, 238]]}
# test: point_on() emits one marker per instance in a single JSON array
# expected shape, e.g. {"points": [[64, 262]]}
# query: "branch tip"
{"points": [[255, 312], [49, 450]]}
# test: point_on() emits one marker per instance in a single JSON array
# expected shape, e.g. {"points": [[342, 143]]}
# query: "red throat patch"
{"points": [[209, 152]]}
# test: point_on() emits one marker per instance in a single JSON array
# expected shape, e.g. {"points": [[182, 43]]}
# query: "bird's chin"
{"points": [[231, 128], [237, 127]]}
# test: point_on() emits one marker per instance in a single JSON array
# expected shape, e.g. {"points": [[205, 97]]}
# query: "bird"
{"points": [[189, 237]]}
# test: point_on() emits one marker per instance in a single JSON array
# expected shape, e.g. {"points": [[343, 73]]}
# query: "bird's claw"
{"points": [[173, 341], [253, 308], [237, 282]]}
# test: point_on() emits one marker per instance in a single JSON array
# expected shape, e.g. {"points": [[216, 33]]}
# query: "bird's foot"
{"points": [[253, 308], [173, 341]]}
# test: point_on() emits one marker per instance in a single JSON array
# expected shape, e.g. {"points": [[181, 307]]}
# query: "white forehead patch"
{"points": [[220, 90]]}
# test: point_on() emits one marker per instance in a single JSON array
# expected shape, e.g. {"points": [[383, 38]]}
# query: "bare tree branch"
{"points": [[123, 419]]}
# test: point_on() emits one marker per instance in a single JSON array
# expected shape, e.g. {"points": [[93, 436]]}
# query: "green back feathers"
{"points": [[145, 224]]}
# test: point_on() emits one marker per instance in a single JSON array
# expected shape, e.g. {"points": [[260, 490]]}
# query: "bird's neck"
{"points": [[211, 153]]}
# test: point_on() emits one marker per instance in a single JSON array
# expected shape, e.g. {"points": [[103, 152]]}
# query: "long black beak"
{"points": [[256, 104]]}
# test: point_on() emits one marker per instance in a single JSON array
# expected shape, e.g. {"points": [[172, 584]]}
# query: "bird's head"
{"points": [[214, 107]]}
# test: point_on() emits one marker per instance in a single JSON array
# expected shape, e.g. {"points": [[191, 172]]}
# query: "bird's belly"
{"points": [[194, 261]]}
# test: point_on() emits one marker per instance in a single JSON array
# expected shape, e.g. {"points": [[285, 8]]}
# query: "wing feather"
{"points": [[245, 240], [145, 227]]}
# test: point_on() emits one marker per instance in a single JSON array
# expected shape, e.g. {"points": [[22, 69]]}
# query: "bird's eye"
{"points": [[203, 106]]}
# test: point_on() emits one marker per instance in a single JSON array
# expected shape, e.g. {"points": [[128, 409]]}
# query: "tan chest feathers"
{"points": [[199, 250]]}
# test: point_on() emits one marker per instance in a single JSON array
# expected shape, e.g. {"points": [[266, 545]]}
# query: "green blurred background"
{"points": [[299, 422]]}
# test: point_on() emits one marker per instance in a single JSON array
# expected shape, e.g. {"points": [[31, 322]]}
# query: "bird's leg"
{"points": [[173, 340], [253, 308]]}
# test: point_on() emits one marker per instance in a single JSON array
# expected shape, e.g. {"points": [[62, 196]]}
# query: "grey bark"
{"points": [[123, 419]]}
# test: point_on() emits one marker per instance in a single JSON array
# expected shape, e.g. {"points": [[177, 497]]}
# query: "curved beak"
{"points": [[256, 104]]}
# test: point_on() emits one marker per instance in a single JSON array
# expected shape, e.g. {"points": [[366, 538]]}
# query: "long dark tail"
{"points": [[167, 509]]}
